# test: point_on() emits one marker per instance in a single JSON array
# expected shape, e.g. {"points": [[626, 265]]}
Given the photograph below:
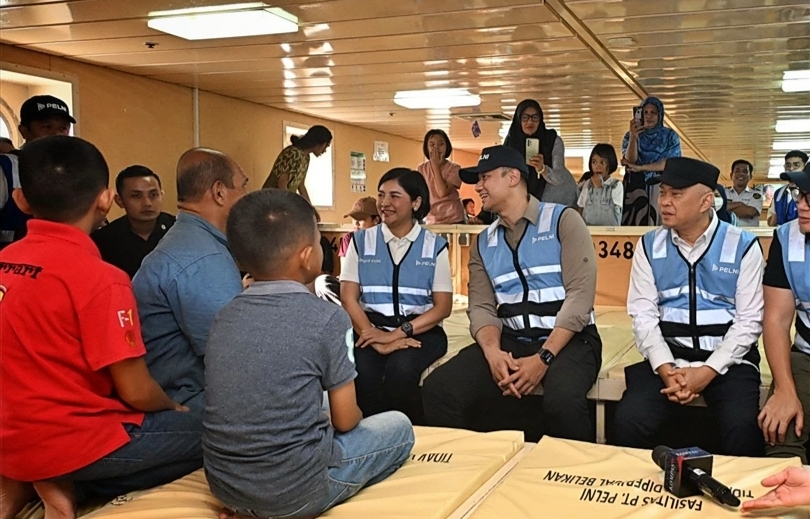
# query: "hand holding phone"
{"points": [[532, 148]]}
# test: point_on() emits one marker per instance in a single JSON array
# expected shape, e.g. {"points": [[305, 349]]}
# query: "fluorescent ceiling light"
{"points": [[796, 81], [436, 98], [224, 21], [775, 171], [791, 145], [793, 126]]}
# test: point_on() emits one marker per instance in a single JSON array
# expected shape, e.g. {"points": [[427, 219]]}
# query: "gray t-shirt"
{"points": [[271, 354]]}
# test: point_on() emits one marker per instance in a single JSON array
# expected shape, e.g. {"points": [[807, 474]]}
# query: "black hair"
{"points": [[265, 226], [743, 161], [467, 201], [443, 135], [61, 177], [414, 184], [194, 179], [6, 140], [315, 136], [797, 154], [135, 171], [607, 152]]}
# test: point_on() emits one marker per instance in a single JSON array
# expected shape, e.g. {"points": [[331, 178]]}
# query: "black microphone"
{"points": [[688, 472]]}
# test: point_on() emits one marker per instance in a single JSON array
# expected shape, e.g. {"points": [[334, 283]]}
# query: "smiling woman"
{"points": [[396, 286]]}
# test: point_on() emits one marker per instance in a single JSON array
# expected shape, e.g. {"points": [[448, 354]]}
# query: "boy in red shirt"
{"points": [[80, 416]]}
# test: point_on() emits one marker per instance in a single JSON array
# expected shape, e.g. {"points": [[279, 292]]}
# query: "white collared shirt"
{"points": [[442, 278], [749, 197], [642, 306]]}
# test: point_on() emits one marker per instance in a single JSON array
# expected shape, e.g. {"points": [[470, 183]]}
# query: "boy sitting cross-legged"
{"points": [[81, 416], [270, 449]]}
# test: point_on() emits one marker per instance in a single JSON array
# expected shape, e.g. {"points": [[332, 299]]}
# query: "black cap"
{"points": [[39, 108], [681, 172], [800, 178], [495, 157]]}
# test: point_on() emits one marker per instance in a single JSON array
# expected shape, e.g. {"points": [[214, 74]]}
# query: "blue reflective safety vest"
{"points": [[795, 249], [11, 217], [784, 206], [527, 281], [391, 294], [696, 301]]}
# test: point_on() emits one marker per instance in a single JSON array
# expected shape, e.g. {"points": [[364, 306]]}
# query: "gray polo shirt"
{"points": [[271, 354]]}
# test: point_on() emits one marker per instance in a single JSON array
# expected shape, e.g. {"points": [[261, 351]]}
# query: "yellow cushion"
{"points": [[563, 478], [446, 467]]}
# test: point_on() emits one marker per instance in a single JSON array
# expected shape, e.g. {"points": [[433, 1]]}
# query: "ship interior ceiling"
{"points": [[717, 65]]}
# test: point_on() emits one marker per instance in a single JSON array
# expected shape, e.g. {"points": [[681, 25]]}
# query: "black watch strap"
{"points": [[546, 356], [407, 327]]}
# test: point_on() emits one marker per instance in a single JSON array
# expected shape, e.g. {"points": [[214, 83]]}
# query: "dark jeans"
{"points": [[391, 382], [462, 394], [167, 446], [733, 399]]}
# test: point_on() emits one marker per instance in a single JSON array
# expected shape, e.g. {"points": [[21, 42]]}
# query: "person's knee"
{"points": [[397, 427], [563, 403]]}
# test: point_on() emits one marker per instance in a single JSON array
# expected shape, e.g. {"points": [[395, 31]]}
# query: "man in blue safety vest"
{"points": [[531, 293], [40, 116], [696, 301]]}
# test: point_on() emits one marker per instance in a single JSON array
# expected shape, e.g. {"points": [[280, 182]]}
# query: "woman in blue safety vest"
{"points": [[396, 286]]}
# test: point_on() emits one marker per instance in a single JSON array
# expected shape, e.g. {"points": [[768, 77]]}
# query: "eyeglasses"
{"points": [[798, 194], [793, 166], [526, 118]]}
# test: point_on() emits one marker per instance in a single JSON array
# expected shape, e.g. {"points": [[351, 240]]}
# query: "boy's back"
{"points": [[65, 317], [272, 352]]}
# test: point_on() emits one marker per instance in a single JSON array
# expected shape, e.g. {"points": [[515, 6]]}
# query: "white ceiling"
{"points": [[716, 64]]}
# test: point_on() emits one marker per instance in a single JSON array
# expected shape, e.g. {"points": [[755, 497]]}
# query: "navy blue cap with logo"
{"points": [[800, 178], [40, 108], [683, 172], [495, 157]]}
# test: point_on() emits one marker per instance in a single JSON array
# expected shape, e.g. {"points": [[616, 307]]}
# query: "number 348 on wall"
{"points": [[616, 249]]}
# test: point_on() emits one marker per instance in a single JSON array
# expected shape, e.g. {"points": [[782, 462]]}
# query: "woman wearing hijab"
{"points": [[645, 149], [549, 180]]}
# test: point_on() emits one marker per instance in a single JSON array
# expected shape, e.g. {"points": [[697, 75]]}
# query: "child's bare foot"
{"points": [[14, 495], [58, 498]]}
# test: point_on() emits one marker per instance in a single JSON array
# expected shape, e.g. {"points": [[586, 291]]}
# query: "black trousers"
{"points": [[462, 394], [733, 399], [391, 382]]}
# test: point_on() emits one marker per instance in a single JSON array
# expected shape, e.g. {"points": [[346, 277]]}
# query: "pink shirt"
{"points": [[443, 210]]}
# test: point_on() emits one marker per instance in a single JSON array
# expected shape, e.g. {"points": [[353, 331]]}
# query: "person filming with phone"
{"points": [[544, 152], [645, 150]]}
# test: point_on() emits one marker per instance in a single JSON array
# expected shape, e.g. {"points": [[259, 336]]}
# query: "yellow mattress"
{"points": [[569, 479], [447, 466]]}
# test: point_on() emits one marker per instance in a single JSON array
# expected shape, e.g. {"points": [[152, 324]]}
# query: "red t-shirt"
{"points": [[65, 316]]}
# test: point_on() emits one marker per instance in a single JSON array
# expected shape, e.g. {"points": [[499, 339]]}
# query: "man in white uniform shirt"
{"points": [[696, 301], [743, 201]]}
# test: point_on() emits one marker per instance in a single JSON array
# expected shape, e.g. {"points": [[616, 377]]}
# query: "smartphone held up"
{"points": [[532, 148]]}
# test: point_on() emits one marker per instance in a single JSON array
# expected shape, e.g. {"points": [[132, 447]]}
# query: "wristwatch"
{"points": [[407, 327], [546, 356]]}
